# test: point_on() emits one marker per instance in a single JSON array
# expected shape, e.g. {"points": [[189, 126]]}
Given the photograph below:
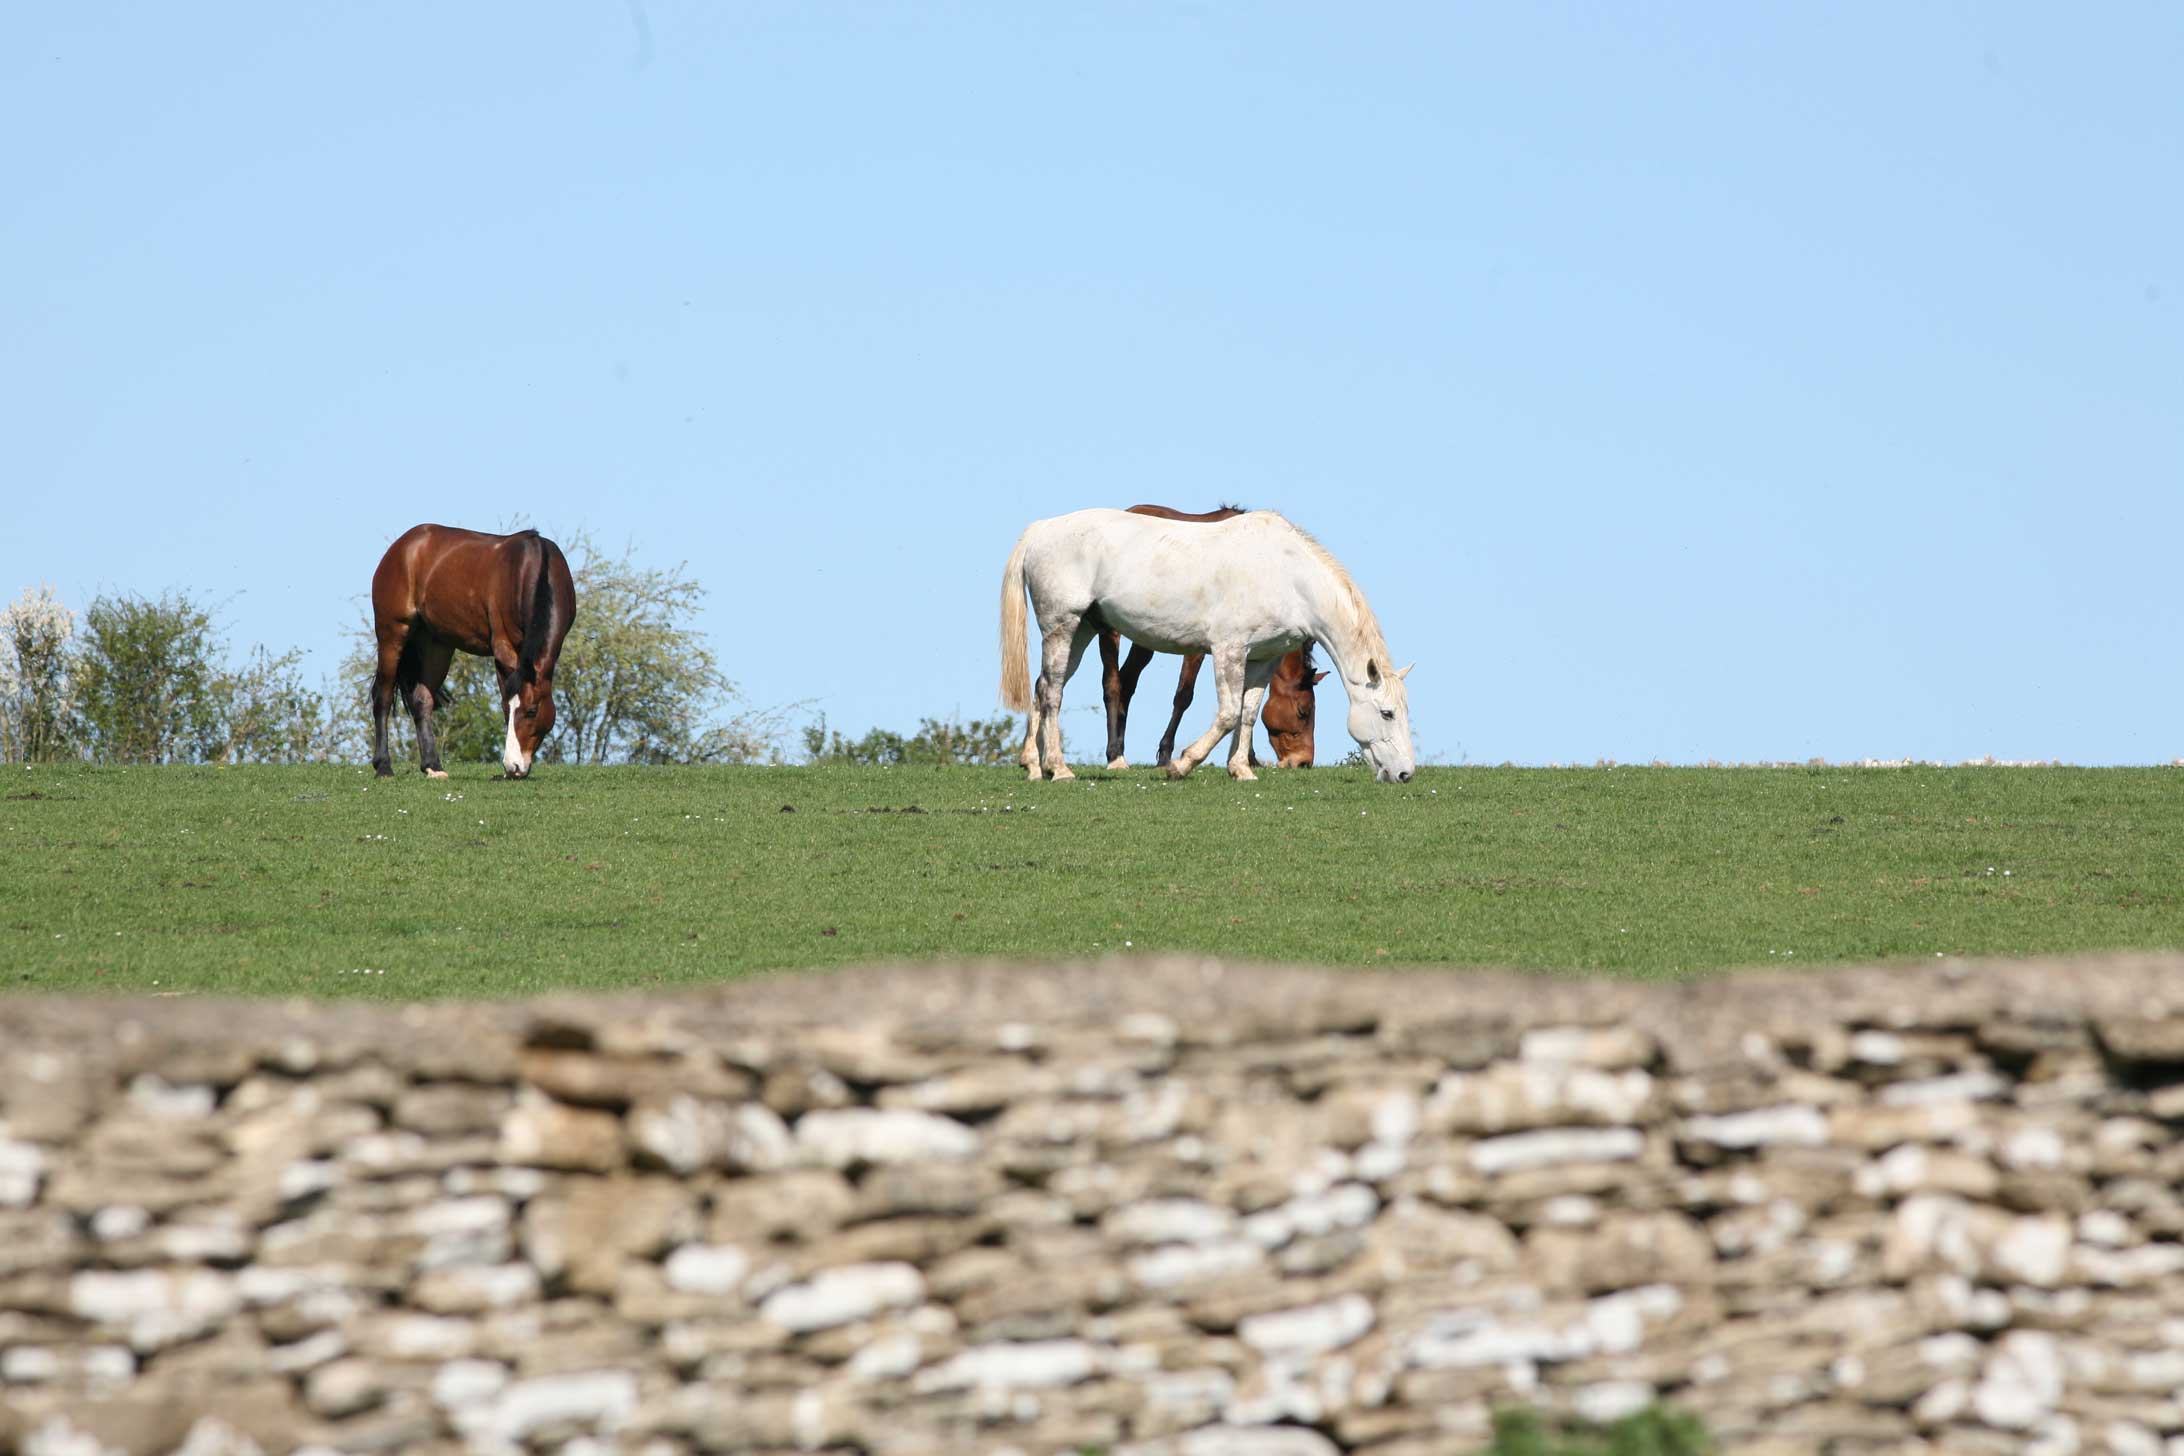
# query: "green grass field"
{"points": [[299, 880]]}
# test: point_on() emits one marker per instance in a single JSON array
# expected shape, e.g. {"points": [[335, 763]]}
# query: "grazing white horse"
{"points": [[1243, 591]]}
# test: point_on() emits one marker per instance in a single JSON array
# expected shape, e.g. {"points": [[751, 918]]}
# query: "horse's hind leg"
{"points": [[1030, 756], [1060, 651], [1228, 686], [1256, 677], [1186, 687], [393, 637]]}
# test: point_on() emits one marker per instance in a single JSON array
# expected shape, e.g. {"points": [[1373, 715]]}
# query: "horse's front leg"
{"points": [[428, 744], [1228, 688], [1256, 677], [1112, 694]]}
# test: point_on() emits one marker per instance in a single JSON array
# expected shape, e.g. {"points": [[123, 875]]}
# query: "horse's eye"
{"points": [[1388, 713]]}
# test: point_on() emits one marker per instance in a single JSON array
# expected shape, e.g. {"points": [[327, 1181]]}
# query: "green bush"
{"points": [[1654, 1431]]}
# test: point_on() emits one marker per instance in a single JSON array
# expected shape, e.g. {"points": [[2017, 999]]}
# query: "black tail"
{"points": [[537, 583]]}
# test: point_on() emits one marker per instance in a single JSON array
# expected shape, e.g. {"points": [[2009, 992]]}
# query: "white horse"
{"points": [[1243, 591]]}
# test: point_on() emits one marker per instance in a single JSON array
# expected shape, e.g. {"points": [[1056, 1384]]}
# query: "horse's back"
{"points": [[1172, 585], [442, 575]]}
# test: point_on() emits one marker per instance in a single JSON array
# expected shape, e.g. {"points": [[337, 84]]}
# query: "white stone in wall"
{"points": [[154, 1096], [1277, 1391], [2033, 1147], [381, 1150], [475, 1288], [459, 1216], [1792, 1125], [1611, 1325], [890, 1357], [263, 1284], [1028, 1365], [2129, 1438], [1963, 1087], [602, 1399], [2022, 1381], [838, 1139], [758, 1140], [1876, 1048], [21, 1166], [157, 1308], [1313, 1330], [307, 1176], [1238, 1441], [707, 1269], [2035, 1251], [1152, 1113], [1518, 1151], [1169, 1221], [463, 1384], [1147, 1028], [115, 1221], [839, 1296], [428, 1337], [2126, 1268], [1181, 1264], [1608, 1401]]}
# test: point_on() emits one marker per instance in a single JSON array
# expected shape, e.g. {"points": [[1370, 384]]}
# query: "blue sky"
{"points": [[1695, 382]]}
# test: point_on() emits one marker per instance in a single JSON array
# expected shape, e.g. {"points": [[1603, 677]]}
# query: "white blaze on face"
{"points": [[513, 758]]}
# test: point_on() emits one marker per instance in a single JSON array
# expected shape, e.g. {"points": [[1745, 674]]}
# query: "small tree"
{"points": [[36, 707], [145, 679], [942, 741], [268, 715]]}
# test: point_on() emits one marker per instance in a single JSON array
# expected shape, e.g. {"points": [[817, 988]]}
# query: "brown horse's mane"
{"points": [[538, 626]]}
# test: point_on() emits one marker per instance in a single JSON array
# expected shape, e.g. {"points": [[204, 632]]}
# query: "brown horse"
{"points": [[1289, 698], [440, 590]]}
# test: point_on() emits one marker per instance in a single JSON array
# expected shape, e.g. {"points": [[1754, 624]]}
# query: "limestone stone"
{"points": [[838, 1296], [854, 1136], [797, 1203], [584, 1231], [542, 1133]]}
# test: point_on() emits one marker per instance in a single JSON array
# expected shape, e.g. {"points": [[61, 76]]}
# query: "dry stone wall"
{"points": [[1164, 1208]]}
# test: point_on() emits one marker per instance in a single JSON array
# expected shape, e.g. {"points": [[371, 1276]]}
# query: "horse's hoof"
{"points": [[1063, 773], [435, 773], [1118, 763], [1243, 775], [1034, 776], [1178, 770]]}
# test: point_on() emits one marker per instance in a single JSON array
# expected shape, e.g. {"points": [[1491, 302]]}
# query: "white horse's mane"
{"points": [[1368, 625]]}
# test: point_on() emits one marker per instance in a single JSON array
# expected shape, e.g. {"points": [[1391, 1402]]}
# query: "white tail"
{"points": [[1015, 675]]}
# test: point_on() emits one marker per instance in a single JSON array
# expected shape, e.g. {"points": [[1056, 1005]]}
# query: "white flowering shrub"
{"points": [[36, 706]]}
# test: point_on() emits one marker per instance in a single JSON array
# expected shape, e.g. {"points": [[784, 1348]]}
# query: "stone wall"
{"points": [[1164, 1207]]}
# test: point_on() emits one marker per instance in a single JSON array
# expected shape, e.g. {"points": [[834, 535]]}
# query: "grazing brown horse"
{"points": [[440, 590], [1289, 698]]}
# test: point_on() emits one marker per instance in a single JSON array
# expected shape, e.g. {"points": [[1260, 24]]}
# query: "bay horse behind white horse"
{"points": [[1244, 592]]}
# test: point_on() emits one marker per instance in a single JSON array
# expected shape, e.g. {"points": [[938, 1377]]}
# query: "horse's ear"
{"points": [[1372, 673], [1405, 672], [1319, 677]]}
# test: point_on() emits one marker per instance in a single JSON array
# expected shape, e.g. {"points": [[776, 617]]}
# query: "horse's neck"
{"points": [[1337, 623]]}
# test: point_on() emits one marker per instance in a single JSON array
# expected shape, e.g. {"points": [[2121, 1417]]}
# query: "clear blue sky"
{"points": [[1703, 381]]}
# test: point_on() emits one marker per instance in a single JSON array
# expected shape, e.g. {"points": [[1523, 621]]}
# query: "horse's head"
{"points": [[530, 719], [1289, 709], [1380, 722]]}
